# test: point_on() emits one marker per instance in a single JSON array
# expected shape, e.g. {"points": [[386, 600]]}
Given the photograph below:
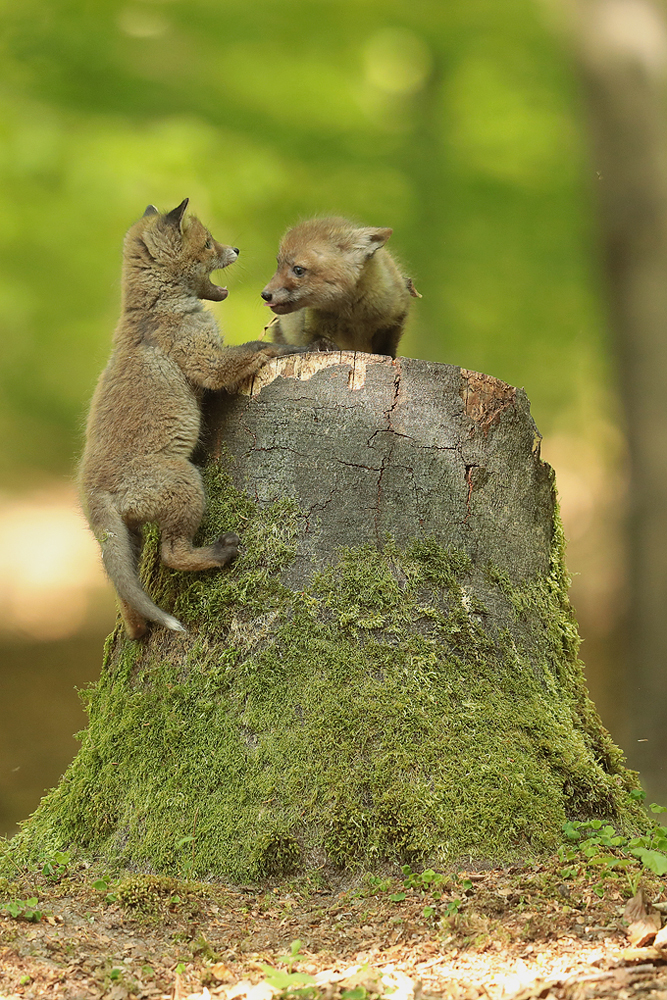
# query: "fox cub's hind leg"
{"points": [[180, 516], [178, 552]]}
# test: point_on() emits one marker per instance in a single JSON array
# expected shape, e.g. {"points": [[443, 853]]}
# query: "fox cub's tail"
{"points": [[120, 562]]}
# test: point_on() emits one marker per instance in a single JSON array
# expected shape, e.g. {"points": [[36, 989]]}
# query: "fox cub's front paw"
{"points": [[281, 350], [322, 344]]}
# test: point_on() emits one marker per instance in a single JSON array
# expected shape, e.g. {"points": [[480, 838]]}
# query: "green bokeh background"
{"points": [[458, 124]]}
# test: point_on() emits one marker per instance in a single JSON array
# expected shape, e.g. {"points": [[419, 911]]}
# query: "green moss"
{"points": [[145, 894], [386, 714]]}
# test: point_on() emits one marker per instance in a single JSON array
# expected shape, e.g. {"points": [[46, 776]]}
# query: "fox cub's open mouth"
{"points": [[216, 293], [281, 308]]}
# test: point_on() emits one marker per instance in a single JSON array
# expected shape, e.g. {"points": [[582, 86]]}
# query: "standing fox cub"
{"points": [[145, 414], [336, 284]]}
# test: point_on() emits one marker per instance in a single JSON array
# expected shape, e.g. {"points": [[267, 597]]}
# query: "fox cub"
{"points": [[145, 414], [338, 287]]}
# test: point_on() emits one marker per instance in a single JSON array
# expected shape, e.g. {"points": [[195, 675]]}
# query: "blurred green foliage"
{"points": [[455, 123]]}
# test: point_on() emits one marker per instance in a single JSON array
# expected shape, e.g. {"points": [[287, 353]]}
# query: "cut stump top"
{"points": [[372, 447]]}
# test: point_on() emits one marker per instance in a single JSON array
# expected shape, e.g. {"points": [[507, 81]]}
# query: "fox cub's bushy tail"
{"points": [[120, 555]]}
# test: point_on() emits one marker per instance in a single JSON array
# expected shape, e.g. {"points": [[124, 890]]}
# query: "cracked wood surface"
{"points": [[370, 447]]}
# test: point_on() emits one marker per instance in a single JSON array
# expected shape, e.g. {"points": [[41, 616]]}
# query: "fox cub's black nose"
{"points": [[236, 250], [267, 296]]}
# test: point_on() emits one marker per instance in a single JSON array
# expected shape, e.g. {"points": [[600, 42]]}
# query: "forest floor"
{"points": [[519, 932]]}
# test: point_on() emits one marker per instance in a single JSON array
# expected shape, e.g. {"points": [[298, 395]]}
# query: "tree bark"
{"points": [[623, 55], [389, 672]]}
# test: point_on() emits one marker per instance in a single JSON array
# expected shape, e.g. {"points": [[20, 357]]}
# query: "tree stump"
{"points": [[387, 674]]}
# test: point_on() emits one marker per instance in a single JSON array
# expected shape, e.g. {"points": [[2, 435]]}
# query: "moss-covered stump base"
{"points": [[412, 698]]}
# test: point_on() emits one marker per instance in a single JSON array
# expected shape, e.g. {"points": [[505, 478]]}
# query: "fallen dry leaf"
{"points": [[644, 921], [118, 993], [637, 955], [635, 908], [642, 932], [240, 989], [661, 940], [221, 972]]}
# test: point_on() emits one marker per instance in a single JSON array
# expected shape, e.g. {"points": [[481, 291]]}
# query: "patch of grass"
{"points": [[146, 894]]}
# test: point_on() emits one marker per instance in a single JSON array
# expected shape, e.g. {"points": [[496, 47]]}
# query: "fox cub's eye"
{"points": [[298, 270], [209, 243]]}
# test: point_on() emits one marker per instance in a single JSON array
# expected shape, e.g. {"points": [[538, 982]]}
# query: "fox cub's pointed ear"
{"points": [[175, 217], [369, 239], [150, 210]]}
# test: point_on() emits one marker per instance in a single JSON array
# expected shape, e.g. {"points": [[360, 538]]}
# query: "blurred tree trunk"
{"points": [[388, 673], [623, 55]]}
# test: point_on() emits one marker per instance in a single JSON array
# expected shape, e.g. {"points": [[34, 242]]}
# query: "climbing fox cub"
{"points": [[338, 287], [145, 414]]}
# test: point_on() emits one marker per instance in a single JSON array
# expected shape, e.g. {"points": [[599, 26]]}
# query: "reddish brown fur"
{"points": [[144, 418], [337, 284]]}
